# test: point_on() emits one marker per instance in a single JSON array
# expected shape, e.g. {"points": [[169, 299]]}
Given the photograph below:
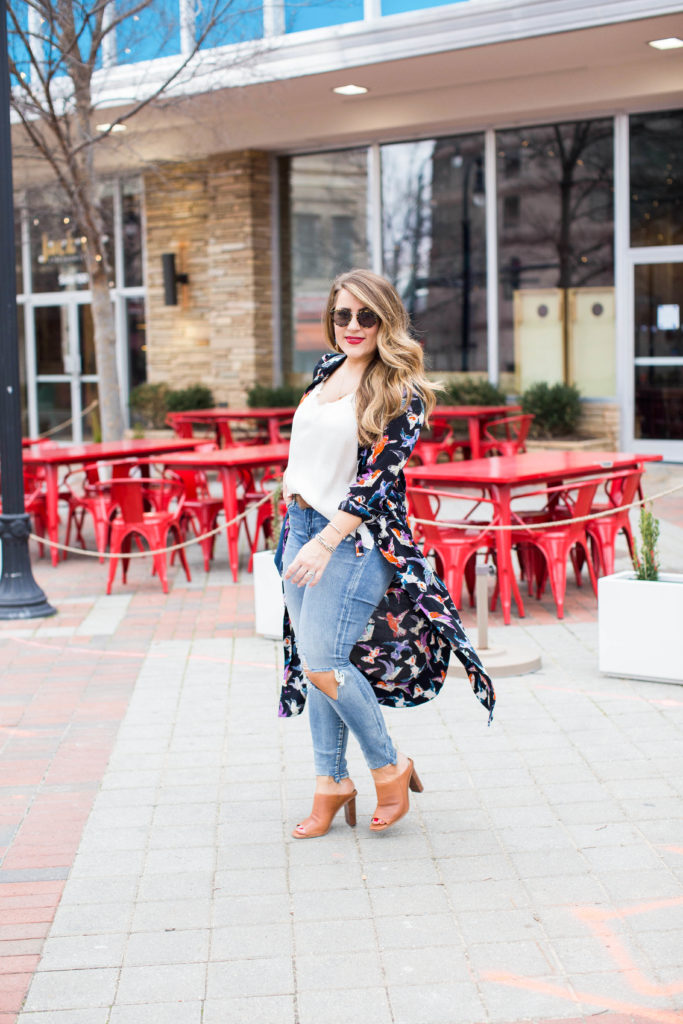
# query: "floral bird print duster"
{"points": [[407, 644]]}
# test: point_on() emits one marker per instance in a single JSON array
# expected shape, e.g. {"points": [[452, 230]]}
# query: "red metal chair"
{"points": [[506, 436], [129, 496], [92, 497], [35, 504], [621, 490], [454, 547], [264, 512], [543, 552], [200, 508]]}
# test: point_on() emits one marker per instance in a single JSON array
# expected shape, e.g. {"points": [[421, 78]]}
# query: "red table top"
{"points": [[527, 467], [453, 412], [95, 451], [240, 455], [233, 414]]}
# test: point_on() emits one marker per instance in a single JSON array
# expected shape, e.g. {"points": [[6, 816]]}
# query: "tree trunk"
{"points": [[109, 390]]}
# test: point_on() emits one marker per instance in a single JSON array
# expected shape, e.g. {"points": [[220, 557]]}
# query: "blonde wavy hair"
{"points": [[397, 371]]}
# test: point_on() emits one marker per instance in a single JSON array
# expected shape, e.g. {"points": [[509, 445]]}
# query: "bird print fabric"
{"points": [[406, 647]]}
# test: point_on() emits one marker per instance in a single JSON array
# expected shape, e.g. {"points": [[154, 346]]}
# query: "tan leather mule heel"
{"points": [[325, 807], [393, 801]]}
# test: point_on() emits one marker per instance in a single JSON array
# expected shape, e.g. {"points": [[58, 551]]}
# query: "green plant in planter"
{"points": [[196, 396], [646, 564], [285, 396], [556, 408], [148, 406], [471, 391]]}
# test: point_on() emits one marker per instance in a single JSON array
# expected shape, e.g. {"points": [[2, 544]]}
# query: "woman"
{"points": [[372, 623]]}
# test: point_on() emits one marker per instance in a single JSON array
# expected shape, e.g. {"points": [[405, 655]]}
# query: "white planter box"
{"points": [[639, 627], [269, 605]]}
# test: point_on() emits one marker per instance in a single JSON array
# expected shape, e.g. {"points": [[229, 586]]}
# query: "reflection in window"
{"points": [[434, 245], [561, 177], [57, 253], [657, 178], [328, 198]]}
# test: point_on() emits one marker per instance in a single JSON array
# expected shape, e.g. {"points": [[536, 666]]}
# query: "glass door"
{"points": [[657, 310], [66, 382]]}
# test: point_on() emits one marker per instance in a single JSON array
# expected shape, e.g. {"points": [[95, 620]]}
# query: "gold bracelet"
{"points": [[323, 542]]}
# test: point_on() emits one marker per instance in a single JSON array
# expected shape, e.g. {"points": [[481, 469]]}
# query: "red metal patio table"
{"points": [[221, 418], [501, 474], [227, 462], [50, 457], [477, 417]]}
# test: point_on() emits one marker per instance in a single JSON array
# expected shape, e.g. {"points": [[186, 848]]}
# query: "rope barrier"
{"points": [[157, 551], [426, 522], [548, 524], [60, 426]]}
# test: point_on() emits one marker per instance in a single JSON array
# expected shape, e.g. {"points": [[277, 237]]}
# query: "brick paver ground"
{"points": [[147, 791]]}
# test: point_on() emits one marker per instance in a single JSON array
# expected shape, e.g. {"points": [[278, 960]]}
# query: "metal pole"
{"points": [[20, 595]]}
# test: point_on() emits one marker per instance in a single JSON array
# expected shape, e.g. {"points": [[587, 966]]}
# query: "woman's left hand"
{"points": [[309, 565]]}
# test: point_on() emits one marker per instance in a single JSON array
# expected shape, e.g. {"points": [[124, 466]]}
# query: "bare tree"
{"points": [[61, 54]]}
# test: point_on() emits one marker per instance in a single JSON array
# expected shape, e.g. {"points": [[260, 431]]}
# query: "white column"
{"points": [[375, 208], [623, 290], [109, 39], [273, 18], [187, 26], [491, 255]]}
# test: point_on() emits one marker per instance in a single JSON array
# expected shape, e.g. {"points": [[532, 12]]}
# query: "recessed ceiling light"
{"points": [[671, 43], [350, 90], [106, 127]]}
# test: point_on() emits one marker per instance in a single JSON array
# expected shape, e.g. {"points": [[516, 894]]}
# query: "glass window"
{"points": [[328, 200], [52, 339], [233, 22], [131, 200], [657, 178], [659, 311], [300, 15], [555, 255], [137, 341], [57, 241], [659, 403], [153, 31], [398, 6], [434, 245], [54, 409]]}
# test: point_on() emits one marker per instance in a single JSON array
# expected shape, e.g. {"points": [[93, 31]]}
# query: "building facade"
{"points": [[516, 169]]}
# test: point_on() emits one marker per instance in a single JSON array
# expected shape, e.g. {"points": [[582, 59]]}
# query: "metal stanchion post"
{"points": [[508, 659]]}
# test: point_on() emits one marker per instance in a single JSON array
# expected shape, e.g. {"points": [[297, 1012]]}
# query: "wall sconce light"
{"points": [[171, 279]]}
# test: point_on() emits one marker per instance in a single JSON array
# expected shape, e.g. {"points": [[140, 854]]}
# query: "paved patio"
{"points": [[148, 791]]}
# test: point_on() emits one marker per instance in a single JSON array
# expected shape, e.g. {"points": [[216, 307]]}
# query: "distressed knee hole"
{"points": [[327, 682]]}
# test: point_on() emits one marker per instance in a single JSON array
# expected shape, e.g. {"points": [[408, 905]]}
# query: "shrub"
{"points": [[148, 406], [472, 391], [556, 408], [285, 396], [646, 564], [196, 396]]}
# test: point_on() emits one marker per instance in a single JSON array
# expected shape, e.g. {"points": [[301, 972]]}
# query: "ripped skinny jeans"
{"points": [[328, 619]]}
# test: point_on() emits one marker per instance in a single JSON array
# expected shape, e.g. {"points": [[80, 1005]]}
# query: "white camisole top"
{"points": [[323, 453]]}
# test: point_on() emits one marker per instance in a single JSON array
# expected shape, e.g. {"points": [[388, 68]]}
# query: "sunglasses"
{"points": [[365, 317]]}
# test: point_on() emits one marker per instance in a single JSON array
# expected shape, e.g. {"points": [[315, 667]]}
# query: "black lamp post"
{"points": [[477, 198], [20, 595]]}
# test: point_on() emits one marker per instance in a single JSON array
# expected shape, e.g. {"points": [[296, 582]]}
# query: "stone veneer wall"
{"points": [[600, 419], [215, 215]]}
